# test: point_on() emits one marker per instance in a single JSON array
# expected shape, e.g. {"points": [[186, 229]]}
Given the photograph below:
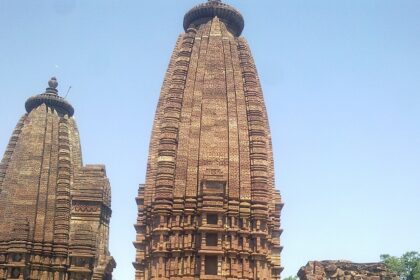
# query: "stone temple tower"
{"points": [[209, 208], [54, 212]]}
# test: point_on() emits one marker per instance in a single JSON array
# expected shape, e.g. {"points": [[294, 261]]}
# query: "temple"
{"points": [[209, 208], [54, 212]]}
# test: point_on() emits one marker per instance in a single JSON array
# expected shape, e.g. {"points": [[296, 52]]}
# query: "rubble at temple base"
{"points": [[345, 270]]}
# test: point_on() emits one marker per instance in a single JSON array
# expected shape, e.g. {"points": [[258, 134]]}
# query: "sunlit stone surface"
{"points": [[54, 212], [209, 208]]}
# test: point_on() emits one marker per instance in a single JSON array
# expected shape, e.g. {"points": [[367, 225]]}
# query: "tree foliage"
{"points": [[291, 278], [407, 267]]}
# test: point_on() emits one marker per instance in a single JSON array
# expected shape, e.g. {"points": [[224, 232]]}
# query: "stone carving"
{"points": [[345, 270], [209, 208], [85, 206], [53, 210]]}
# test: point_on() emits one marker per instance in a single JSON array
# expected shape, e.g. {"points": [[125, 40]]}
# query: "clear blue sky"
{"points": [[341, 82]]}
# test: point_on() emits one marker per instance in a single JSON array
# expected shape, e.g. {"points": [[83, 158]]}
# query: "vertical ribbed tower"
{"points": [[209, 208], [54, 212]]}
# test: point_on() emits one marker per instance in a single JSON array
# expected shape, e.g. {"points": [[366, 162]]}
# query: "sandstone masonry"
{"points": [[345, 270], [209, 208], [54, 212]]}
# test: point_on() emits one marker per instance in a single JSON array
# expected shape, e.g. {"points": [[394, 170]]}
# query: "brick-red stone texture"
{"points": [[210, 154], [54, 212], [345, 270]]}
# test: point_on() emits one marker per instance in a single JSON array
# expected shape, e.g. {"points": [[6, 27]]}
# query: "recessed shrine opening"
{"points": [[211, 239], [212, 219], [211, 265]]}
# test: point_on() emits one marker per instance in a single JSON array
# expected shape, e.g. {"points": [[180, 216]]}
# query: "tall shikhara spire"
{"points": [[209, 208], [54, 212]]}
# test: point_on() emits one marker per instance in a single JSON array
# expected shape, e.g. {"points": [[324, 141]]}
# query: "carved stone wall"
{"points": [[344, 270], [209, 208]]}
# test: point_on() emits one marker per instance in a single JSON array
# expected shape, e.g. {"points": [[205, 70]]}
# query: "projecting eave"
{"points": [[205, 12], [51, 99]]}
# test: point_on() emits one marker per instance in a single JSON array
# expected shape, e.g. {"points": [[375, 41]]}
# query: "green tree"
{"points": [[407, 267], [291, 278]]}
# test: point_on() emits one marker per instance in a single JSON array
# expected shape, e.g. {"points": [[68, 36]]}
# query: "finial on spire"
{"points": [[50, 98], [206, 11], [53, 82], [52, 85]]}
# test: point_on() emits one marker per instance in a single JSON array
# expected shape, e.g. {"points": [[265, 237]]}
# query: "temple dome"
{"points": [[215, 8], [50, 98]]}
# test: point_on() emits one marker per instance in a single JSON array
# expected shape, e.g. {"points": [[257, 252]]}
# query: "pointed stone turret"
{"points": [[209, 208], [54, 212]]}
